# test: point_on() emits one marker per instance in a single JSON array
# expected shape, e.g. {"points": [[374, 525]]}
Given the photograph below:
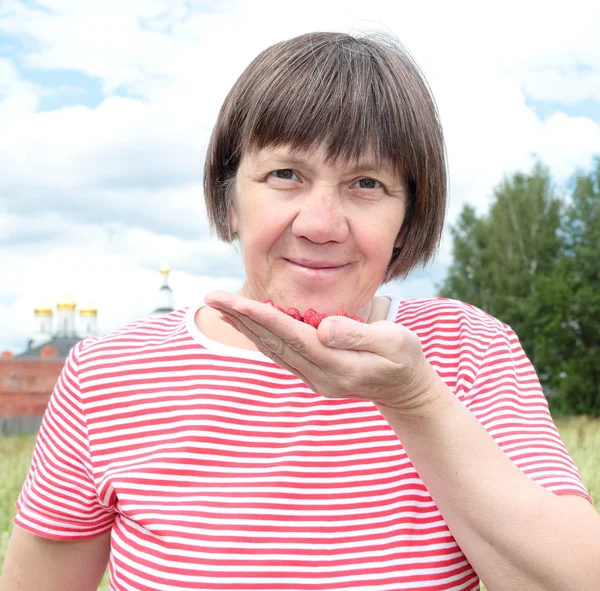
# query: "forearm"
{"points": [[516, 534]]}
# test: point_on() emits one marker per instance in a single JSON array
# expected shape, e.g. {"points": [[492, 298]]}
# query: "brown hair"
{"points": [[348, 94]]}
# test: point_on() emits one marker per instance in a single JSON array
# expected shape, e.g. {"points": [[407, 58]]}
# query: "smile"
{"points": [[316, 267]]}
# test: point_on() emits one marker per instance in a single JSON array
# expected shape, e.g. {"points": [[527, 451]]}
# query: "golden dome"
{"points": [[44, 309], [66, 304], [164, 269], [89, 310]]}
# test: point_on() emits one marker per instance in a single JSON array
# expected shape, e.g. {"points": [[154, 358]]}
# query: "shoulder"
{"points": [[155, 332], [457, 338], [448, 318]]}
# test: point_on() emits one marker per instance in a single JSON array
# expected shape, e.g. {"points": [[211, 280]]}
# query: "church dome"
{"points": [[44, 309], [88, 311], [66, 304]]}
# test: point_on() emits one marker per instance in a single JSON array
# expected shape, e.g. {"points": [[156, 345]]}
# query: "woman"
{"points": [[230, 446]]}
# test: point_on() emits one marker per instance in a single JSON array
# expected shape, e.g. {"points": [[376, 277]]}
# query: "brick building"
{"points": [[25, 386]]}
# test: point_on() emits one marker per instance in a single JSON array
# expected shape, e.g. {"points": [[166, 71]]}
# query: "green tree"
{"points": [[499, 258], [468, 278], [533, 262], [569, 304]]}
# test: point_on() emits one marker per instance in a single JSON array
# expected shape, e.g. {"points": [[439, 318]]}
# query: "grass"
{"points": [[581, 436], [15, 457]]}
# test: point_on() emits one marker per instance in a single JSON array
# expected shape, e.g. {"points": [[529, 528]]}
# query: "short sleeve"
{"points": [[507, 399], [59, 498]]}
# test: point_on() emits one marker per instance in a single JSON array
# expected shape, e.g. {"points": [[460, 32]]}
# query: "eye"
{"points": [[367, 183], [285, 173]]}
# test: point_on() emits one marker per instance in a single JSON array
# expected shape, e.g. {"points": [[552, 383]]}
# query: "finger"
{"points": [[223, 298], [381, 338], [271, 324], [236, 304], [303, 350], [223, 316], [265, 349]]}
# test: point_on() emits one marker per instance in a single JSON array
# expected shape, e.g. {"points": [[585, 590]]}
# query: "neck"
{"points": [[212, 324]]}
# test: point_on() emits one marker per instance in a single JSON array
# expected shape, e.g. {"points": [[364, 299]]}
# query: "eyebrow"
{"points": [[365, 166]]}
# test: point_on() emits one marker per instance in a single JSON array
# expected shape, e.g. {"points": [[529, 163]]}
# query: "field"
{"points": [[581, 436]]}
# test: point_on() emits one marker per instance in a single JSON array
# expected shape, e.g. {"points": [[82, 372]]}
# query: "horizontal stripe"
{"points": [[218, 470]]}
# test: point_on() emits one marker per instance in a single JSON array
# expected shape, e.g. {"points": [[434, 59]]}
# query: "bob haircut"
{"points": [[349, 95]]}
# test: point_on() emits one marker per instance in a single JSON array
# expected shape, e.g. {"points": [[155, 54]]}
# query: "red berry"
{"points": [[294, 313], [342, 313], [357, 318], [315, 319], [280, 309], [309, 312]]}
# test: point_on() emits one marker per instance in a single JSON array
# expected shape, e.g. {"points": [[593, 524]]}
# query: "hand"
{"points": [[381, 362]]}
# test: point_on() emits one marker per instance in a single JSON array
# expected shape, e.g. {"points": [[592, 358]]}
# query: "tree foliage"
{"points": [[533, 261]]}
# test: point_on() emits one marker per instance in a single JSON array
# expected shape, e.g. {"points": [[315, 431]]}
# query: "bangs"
{"points": [[336, 96]]}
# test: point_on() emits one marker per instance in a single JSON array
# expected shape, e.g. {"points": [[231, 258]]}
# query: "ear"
{"points": [[401, 236], [233, 220]]}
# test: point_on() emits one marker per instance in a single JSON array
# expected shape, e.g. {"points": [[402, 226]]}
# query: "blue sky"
{"points": [[70, 89], [106, 109], [587, 108]]}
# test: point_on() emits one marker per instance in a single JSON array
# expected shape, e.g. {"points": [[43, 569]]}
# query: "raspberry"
{"points": [[313, 317], [308, 314], [294, 313], [342, 313]]}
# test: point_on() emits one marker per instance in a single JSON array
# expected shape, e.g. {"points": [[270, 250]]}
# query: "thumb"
{"points": [[339, 332]]}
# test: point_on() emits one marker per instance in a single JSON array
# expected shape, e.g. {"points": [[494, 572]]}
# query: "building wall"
{"points": [[25, 388]]}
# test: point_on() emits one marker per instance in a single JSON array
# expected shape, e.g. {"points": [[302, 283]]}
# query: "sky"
{"points": [[106, 109]]}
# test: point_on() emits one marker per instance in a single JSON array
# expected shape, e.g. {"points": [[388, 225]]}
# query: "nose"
{"points": [[321, 218]]}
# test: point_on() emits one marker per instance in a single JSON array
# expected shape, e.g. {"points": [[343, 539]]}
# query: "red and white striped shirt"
{"points": [[216, 469]]}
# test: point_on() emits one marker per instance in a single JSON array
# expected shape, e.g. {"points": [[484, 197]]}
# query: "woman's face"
{"points": [[315, 235]]}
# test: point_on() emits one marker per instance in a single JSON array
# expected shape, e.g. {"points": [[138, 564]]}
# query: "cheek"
{"points": [[377, 239], [261, 229]]}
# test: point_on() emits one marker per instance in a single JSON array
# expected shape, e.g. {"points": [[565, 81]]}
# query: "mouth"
{"points": [[315, 265]]}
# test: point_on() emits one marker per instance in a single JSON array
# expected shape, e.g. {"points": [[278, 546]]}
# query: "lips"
{"points": [[316, 264]]}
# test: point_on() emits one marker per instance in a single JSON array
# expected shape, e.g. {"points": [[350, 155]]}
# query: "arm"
{"points": [[34, 563], [516, 534], [62, 528]]}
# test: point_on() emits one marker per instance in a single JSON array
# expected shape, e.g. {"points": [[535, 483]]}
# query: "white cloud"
{"points": [[92, 200], [16, 95], [567, 143], [124, 141], [568, 86], [117, 274]]}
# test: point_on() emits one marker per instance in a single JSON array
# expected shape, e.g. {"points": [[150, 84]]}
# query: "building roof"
{"points": [[62, 345], [162, 310]]}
